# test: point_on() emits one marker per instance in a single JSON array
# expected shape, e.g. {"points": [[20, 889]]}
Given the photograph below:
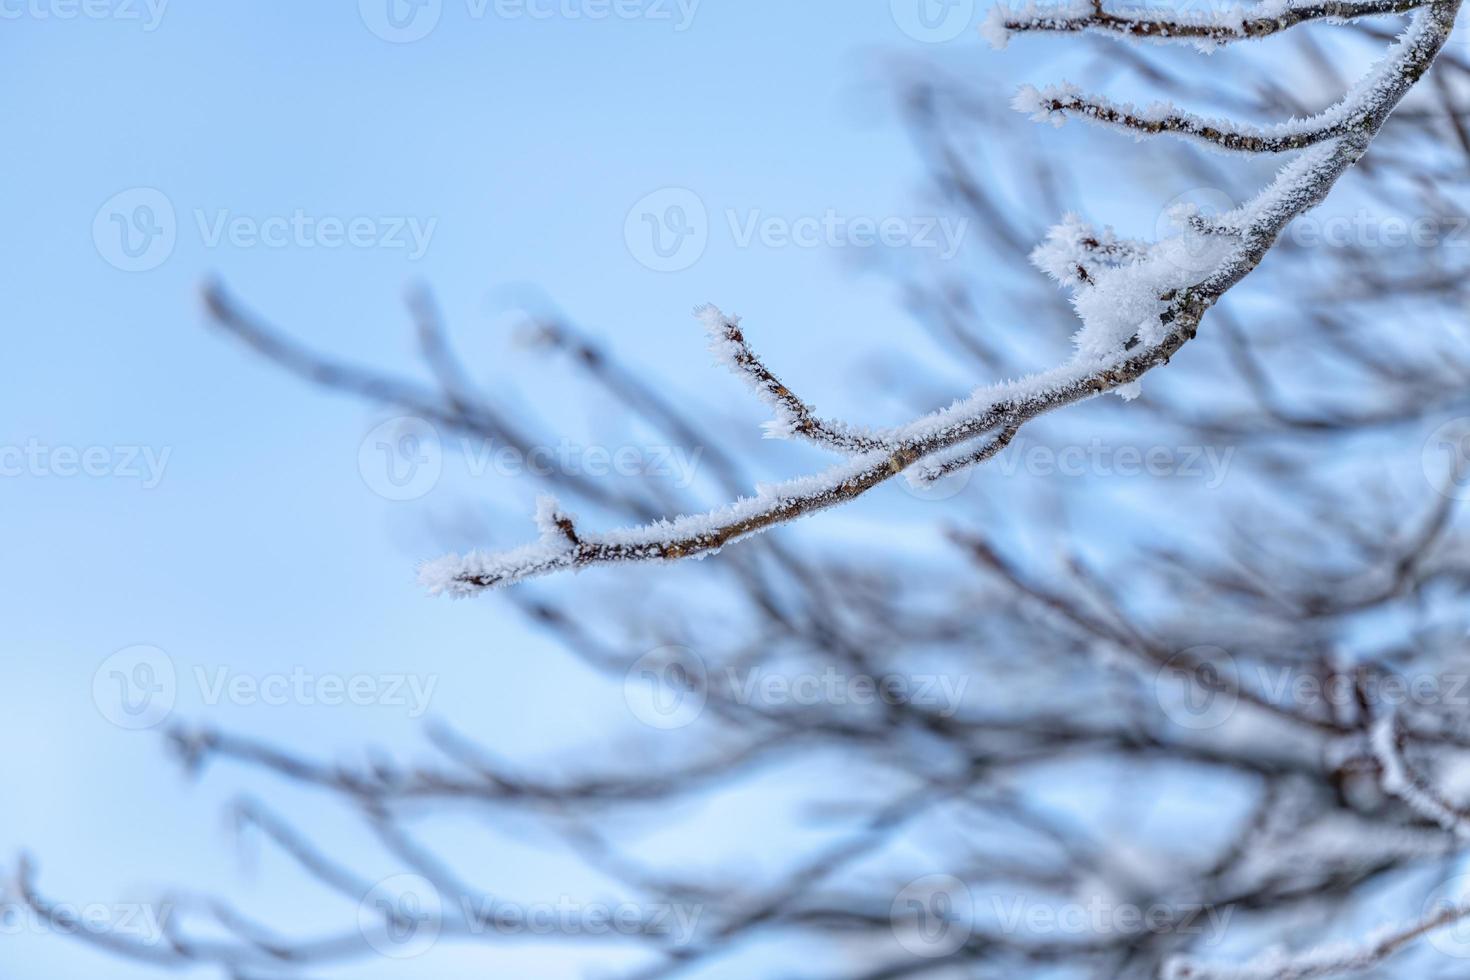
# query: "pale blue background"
{"points": [[262, 548], [527, 141]]}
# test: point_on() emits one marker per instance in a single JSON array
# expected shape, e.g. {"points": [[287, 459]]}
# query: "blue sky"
{"points": [[171, 504], [222, 518], [169, 501]]}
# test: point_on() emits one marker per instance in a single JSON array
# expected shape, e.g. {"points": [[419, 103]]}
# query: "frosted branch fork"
{"points": [[1225, 27], [1138, 308]]}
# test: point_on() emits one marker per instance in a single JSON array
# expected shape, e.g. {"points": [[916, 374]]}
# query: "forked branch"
{"points": [[1207, 31], [1116, 346]]}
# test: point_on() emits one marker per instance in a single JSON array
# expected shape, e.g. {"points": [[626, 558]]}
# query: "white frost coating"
{"points": [[1400, 784], [1361, 102], [1279, 197], [1204, 29], [730, 355], [1054, 103], [1327, 960], [548, 513], [1341, 958], [1153, 266], [451, 574], [1123, 293], [1119, 286], [716, 329], [792, 416], [766, 495], [1030, 101], [993, 29], [1278, 964], [1073, 247], [454, 575]]}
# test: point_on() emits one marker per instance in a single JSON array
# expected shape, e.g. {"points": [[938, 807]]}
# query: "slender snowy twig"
{"points": [[1206, 30], [793, 416], [1402, 782], [939, 469], [1399, 780], [1053, 104], [1326, 961], [1135, 316]]}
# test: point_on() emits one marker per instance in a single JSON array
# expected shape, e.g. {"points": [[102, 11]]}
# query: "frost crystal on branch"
{"points": [[793, 416], [1207, 30], [1330, 960], [1139, 303], [1401, 782]]}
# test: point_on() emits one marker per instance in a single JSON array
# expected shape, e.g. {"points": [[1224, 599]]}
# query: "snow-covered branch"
{"points": [[793, 416], [1331, 960], [1404, 783], [1206, 30], [1052, 104], [1138, 308], [1399, 780]]}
